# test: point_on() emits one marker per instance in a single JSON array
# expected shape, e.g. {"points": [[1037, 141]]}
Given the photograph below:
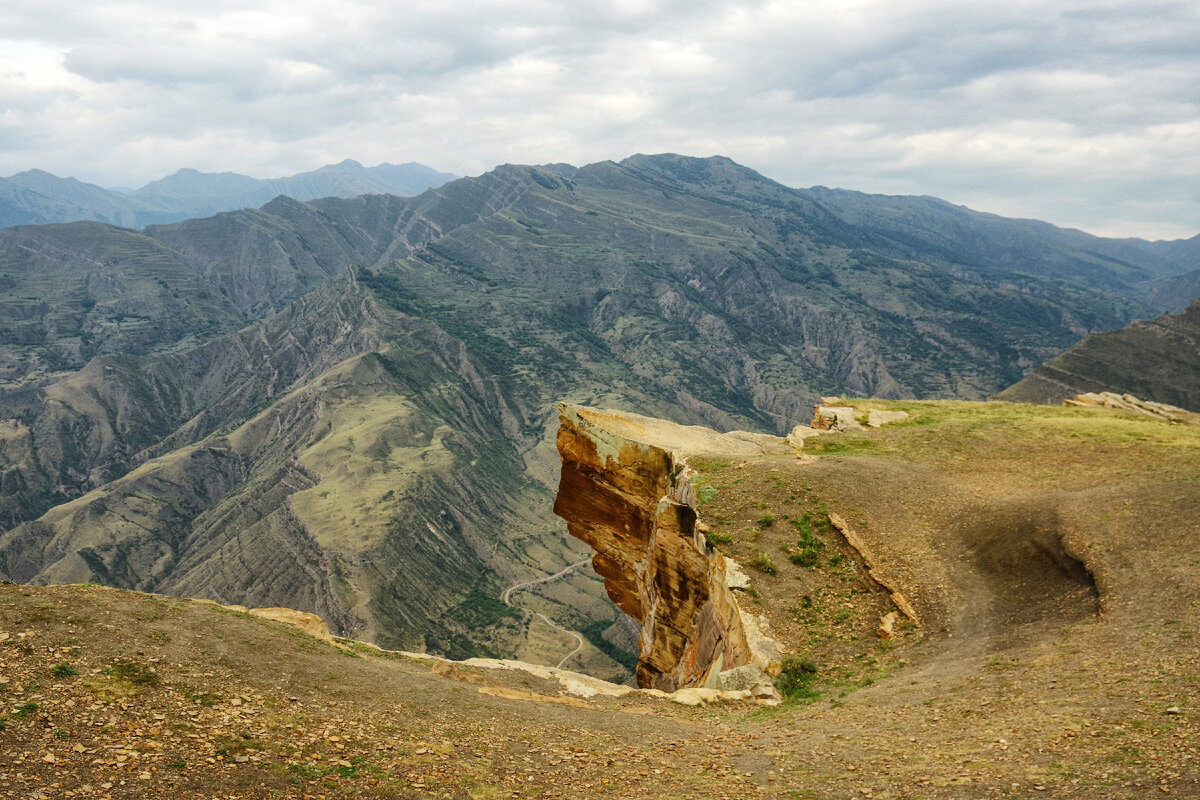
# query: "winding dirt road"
{"points": [[507, 594], [506, 597]]}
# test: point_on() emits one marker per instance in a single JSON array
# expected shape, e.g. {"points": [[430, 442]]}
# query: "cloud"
{"points": [[1082, 113]]}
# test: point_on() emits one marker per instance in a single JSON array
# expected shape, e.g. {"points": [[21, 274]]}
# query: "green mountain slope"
{"points": [[347, 406]]}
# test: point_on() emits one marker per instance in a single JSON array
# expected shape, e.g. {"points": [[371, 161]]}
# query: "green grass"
{"points": [[712, 538], [809, 543], [764, 563], [63, 670], [24, 709], [131, 671], [796, 680]]}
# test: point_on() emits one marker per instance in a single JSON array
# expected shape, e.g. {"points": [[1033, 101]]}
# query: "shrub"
{"points": [[764, 563], [806, 557], [796, 679], [713, 539], [63, 670], [765, 521]]}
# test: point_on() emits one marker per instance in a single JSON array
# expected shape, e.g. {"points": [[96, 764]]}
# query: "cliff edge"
{"points": [[625, 491]]}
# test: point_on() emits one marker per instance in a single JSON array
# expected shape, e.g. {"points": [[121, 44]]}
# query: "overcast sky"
{"points": [[1085, 114]]}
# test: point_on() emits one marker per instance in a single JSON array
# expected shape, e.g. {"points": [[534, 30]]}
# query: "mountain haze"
{"points": [[347, 405], [36, 197]]}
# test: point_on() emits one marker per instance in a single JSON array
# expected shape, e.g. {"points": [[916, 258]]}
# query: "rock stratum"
{"points": [[625, 491], [1157, 360]]}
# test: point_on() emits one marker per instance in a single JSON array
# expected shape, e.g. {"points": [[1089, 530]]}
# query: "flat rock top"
{"points": [[679, 439]]}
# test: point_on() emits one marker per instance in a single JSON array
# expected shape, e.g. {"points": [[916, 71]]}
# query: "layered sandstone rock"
{"points": [[1130, 403], [625, 491], [848, 418]]}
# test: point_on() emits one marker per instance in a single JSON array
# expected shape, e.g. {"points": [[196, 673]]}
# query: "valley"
{"points": [[347, 406]]}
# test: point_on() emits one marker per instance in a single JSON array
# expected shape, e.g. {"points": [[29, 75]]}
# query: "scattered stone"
{"points": [[887, 625]]}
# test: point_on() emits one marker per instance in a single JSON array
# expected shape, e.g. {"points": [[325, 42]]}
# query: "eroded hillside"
{"points": [[1157, 360]]}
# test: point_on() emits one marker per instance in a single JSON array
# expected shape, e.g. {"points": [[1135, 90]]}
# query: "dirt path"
{"points": [[556, 626], [506, 597], [507, 593]]}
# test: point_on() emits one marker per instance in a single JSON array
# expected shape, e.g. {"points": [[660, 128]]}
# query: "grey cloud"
{"points": [[1045, 106]]}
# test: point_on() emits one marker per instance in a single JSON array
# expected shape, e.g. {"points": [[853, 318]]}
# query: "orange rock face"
{"points": [[630, 500]]}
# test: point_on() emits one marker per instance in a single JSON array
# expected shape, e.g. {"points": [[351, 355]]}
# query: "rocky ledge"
{"points": [[1130, 403], [625, 491]]}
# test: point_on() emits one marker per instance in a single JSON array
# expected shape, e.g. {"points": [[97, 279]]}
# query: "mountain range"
{"points": [[347, 406], [35, 197]]}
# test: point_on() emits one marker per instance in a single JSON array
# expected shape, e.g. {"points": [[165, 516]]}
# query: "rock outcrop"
{"points": [[625, 491], [1128, 402], [847, 418]]}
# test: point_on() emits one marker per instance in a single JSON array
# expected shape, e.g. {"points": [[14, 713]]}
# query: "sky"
{"points": [[1084, 114]]}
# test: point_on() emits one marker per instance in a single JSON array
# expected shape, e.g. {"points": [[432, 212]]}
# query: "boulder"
{"points": [[836, 418], [877, 418]]}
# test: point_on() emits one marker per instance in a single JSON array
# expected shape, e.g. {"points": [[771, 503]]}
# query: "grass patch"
{"points": [[63, 670], [130, 671], [24, 709], [796, 679], [809, 544], [764, 563]]}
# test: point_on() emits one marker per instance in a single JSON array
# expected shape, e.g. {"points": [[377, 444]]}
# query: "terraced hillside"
{"points": [[1156, 360]]}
